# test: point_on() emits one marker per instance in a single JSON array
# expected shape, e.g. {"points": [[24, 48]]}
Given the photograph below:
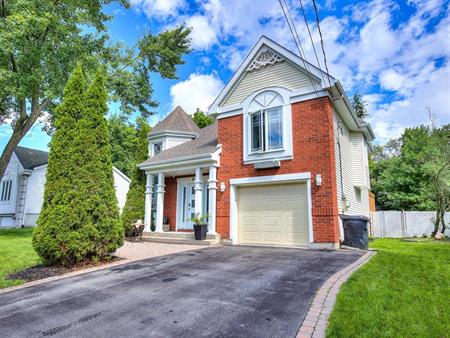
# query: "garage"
{"points": [[274, 214]]}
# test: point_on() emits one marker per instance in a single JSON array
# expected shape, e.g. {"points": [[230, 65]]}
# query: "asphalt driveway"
{"points": [[214, 292]]}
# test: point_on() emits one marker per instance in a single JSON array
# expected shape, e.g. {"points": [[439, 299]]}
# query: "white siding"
{"points": [[167, 142], [35, 196], [8, 208], [121, 185], [281, 74], [357, 197]]}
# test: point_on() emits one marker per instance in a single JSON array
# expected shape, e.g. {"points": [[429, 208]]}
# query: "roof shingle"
{"points": [[177, 121], [31, 158], [205, 143]]}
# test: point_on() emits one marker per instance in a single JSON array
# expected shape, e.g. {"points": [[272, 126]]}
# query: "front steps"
{"points": [[173, 237]]}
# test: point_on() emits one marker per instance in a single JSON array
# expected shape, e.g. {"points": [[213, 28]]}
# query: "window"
{"points": [[267, 126], [266, 129], [157, 148], [5, 194]]}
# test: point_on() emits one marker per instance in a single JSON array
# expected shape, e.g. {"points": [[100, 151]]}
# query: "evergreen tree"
{"points": [[80, 215], [359, 106], [95, 203], [56, 235], [134, 208]]}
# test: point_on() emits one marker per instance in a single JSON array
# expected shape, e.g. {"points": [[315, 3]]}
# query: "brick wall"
{"points": [[313, 151], [170, 201]]}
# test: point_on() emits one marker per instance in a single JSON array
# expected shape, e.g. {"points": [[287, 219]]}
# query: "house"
{"points": [[22, 187], [286, 156]]}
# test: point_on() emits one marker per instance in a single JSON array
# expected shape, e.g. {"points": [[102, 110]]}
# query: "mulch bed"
{"points": [[41, 271]]}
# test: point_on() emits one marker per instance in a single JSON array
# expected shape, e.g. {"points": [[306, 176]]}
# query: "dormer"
{"points": [[177, 128]]}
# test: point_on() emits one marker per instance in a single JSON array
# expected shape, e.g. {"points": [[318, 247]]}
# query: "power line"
{"points": [[311, 39], [321, 40], [297, 43]]}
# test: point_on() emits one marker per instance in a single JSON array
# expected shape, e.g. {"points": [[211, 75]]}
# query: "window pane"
{"points": [[256, 131], [157, 148], [274, 128]]}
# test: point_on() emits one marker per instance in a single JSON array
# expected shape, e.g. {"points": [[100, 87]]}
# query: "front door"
{"points": [[188, 205]]}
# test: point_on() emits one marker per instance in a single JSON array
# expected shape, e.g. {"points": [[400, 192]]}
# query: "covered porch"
{"points": [[178, 190]]}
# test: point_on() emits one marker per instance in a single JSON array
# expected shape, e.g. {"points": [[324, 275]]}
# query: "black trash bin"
{"points": [[356, 233]]}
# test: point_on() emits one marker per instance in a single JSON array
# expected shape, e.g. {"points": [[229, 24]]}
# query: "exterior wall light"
{"points": [[222, 186], [318, 179]]}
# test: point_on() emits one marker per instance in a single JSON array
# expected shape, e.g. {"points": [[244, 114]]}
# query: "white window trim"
{"points": [[153, 147], [283, 153], [234, 183], [12, 189]]}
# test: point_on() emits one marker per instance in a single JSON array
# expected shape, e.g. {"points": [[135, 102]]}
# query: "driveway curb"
{"points": [[316, 321], [83, 271]]}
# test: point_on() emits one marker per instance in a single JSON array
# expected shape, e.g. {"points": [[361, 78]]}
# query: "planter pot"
{"points": [[200, 231]]}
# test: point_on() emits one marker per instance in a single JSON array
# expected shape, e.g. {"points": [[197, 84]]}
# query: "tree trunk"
{"points": [[21, 129], [436, 222]]}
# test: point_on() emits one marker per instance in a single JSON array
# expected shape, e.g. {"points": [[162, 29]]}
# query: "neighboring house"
{"points": [[22, 187], [286, 156]]}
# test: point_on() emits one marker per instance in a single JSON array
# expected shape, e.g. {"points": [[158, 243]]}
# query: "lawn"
{"points": [[404, 291], [16, 253]]}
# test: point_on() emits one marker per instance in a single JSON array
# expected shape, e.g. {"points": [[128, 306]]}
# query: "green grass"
{"points": [[403, 291], [16, 253]]}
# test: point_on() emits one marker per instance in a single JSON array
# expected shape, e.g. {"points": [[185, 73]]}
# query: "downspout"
{"points": [[343, 199]]}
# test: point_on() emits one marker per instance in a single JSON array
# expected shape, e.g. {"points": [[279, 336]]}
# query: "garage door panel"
{"points": [[273, 214]]}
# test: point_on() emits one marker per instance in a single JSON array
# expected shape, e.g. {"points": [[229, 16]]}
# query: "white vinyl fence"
{"points": [[398, 224]]}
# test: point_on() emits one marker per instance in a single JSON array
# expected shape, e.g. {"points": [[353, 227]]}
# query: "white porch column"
{"points": [[160, 203], [212, 192], [148, 203], [198, 192]]}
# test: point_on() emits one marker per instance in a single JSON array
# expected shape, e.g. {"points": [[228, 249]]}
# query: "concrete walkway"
{"points": [[213, 292]]}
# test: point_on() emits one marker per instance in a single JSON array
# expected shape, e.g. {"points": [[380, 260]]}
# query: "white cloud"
{"points": [[159, 8], [392, 80], [198, 91], [203, 35], [400, 67]]}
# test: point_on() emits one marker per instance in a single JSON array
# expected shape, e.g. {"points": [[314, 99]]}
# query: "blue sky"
{"points": [[395, 53]]}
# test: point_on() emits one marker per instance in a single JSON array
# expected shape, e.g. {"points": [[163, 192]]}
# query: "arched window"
{"points": [[266, 122]]}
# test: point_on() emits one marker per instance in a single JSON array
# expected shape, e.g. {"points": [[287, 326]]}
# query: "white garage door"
{"points": [[273, 214]]}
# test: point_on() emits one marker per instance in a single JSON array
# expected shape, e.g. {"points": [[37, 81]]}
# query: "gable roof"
{"points": [[327, 84], [204, 144], [265, 42], [177, 121], [31, 158]]}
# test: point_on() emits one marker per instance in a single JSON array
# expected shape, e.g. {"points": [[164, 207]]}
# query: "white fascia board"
{"points": [[187, 162], [173, 133], [346, 108], [125, 177], [271, 178], [288, 55], [295, 96]]}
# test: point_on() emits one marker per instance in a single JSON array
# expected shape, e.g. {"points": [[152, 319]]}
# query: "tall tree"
{"points": [[201, 119], [56, 225], [41, 41], [95, 202], [80, 217], [359, 106], [124, 141], [134, 206]]}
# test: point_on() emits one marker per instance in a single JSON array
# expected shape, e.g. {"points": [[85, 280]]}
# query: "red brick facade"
{"points": [[313, 151], [170, 201]]}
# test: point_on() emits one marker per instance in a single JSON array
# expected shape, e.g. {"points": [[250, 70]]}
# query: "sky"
{"points": [[395, 53]]}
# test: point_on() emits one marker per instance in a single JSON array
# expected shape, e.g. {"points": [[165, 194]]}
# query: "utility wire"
{"points": [[321, 40], [297, 43], [311, 38]]}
